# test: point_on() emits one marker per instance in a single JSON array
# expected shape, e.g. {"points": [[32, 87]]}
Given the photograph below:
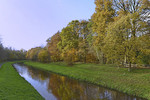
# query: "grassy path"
{"points": [[14, 87], [135, 83]]}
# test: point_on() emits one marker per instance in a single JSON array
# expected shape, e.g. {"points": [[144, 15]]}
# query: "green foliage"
{"points": [[44, 56], [69, 36], [10, 54], [69, 41], [145, 59]]}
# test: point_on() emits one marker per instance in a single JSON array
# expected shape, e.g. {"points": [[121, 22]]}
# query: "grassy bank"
{"points": [[135, 83], [14, 87]]}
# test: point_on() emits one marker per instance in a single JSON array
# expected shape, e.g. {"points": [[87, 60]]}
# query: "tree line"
{"points": [[117, 33], [9, 54]]}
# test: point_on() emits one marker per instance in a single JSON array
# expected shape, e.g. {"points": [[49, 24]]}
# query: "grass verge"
{"points": [[14, 87], [135, 83]]}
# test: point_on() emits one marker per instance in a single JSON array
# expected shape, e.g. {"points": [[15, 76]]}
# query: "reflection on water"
{"points": [[55, 87]]}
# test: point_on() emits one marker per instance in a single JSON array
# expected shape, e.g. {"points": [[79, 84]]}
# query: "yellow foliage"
{"points": [[44, 56]]}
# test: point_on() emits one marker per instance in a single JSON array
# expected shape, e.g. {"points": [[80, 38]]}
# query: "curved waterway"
{"points": [[56, 87]]}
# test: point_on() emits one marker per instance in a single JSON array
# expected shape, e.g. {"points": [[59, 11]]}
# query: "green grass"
{"points": [[14, 87], [135, 83]]}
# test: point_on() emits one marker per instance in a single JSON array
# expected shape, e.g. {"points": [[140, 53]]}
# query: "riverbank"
{"points": [[14, 87], [134, 83]]}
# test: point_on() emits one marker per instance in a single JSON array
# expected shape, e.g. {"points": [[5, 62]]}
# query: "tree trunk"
{"points": [[103, 58], [125, 61], [97, 55], [129, 69]]}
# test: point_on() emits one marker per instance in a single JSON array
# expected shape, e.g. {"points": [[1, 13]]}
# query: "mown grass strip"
{"points": [[135, 83], [14, 87]]}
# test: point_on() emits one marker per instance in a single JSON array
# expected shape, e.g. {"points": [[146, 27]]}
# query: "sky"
{"points": [[25, 24]]}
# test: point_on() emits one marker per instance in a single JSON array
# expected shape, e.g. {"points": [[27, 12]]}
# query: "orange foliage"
{"points": [[52, 47]]}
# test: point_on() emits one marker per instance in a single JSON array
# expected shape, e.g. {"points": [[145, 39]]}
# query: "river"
{"points": [[56, 87]]}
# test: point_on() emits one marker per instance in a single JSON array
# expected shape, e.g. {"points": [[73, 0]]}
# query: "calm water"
{"points": [[55, 87]]}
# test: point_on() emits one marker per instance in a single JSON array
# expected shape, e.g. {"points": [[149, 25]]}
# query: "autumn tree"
{"points": [[69, 39], [103, 15], [83, 43], [52, 47], [44, 56], [118, 32], [124, 41], [116, 41], [32, 54]]}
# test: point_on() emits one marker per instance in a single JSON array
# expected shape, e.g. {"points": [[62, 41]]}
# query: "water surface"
{"points": [[56, 87]]}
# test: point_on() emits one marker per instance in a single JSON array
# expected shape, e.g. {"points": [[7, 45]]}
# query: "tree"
{"points": [[144, 47], [52, 47], [71, 56], [69, 38], [116, 40], [135, 25], [32, 54], [2, 52], [44, 56], [126, 39], [103, 15], [83, 43]]}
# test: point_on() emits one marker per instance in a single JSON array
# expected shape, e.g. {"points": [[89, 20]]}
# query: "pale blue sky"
{"points": [[28, 23]]}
